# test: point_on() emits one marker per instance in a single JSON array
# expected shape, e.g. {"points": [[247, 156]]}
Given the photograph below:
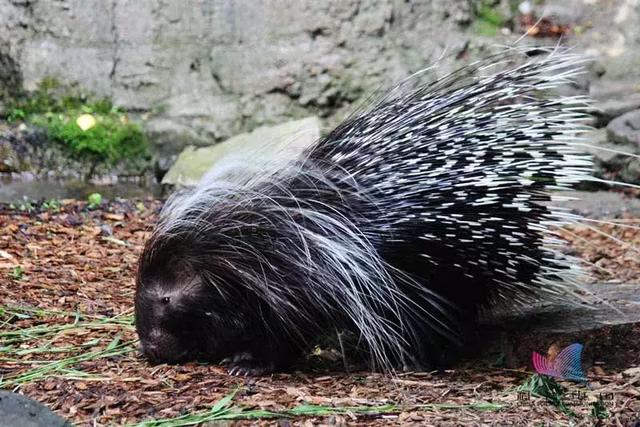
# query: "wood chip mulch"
{"points": [[66, 290]]}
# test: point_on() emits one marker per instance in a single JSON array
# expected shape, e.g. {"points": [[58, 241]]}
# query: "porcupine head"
{"points": [[179, 315], [204, 280]]}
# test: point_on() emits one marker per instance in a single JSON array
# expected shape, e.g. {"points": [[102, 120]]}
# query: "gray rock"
{"points": [[605, 111], [613, 99], [623, 140], [18, 410], [612, 161], [266, 144], [170, 133], [625, 130], [10, 77], [9, 159], [607, 89], [601, 204], [599, 146]]}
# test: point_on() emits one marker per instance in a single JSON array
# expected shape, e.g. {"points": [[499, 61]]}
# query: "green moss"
{"points": [[109, 137], [486, 29], [490, 15], [489, 20], [50, 96], [110, 140]]}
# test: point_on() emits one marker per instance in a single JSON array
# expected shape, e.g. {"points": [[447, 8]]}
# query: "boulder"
{"points": [[266, 144], [613, 99], [19, 410], [607, 110], [9, 160], [626, 129], [610, 160], [601, 204], [615, 149]]}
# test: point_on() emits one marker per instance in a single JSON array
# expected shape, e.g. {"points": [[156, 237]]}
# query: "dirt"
{"points": [[72, 266]]}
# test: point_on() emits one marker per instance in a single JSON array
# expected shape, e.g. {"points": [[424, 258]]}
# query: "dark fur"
{"points": [[259, 270]]}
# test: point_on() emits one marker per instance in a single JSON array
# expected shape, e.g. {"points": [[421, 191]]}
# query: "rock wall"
{"points": [[201, 71], [208, 69]]}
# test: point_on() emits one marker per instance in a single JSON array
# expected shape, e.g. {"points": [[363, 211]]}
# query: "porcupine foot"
{"points": [[244, 364]]}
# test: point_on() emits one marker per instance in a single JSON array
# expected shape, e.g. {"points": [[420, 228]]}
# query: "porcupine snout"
{"points": [[159, 346]]}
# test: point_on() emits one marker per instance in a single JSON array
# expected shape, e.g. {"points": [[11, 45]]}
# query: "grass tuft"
{"points": [[548, 388], [225, 410], [17, 342]]}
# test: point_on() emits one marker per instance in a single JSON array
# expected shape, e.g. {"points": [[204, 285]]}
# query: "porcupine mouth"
{"points": [[156, 357]]}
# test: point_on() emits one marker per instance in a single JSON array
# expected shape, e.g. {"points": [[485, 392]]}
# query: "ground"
{"points": [[67, 339]]}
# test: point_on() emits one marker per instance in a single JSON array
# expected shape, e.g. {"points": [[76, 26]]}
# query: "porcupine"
{"points": [[400, 225]]}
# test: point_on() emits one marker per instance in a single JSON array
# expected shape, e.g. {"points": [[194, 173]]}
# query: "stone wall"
{"points": [[208, 69], [201, 71]]}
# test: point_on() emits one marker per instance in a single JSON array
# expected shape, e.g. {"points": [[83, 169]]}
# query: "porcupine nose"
{"points": [[151, 351], [152, 348]]}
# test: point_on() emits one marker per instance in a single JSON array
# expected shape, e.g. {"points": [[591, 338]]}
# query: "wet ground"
{"points": [[17, 190]]}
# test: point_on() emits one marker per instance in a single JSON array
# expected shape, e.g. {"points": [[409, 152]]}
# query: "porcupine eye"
{"points": [[165, 300]]}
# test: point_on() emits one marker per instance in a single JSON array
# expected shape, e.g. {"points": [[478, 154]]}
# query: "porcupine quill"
{"points": [[400, 225]]}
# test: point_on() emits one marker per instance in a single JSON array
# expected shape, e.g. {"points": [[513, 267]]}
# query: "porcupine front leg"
{"points": [[244, 364], [262, 359]]}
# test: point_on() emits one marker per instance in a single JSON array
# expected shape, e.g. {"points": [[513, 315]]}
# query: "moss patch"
{"points": [[489, 20], [94, 131]]}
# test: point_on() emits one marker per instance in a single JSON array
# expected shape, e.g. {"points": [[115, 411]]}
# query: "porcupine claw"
{"points": [[244, 365]]}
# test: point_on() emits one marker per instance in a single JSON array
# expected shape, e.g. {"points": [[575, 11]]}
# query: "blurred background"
{"points": [[105, 95]]}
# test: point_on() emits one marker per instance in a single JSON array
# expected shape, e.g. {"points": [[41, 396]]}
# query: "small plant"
{"points": [[25, 206], [52, 205], [489, 20], [599, 410], [548, 388], [16, 114], [95, 200], [17, 273]]}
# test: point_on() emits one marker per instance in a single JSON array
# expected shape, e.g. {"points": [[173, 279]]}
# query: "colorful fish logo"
{"points": [[565, 365]]}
